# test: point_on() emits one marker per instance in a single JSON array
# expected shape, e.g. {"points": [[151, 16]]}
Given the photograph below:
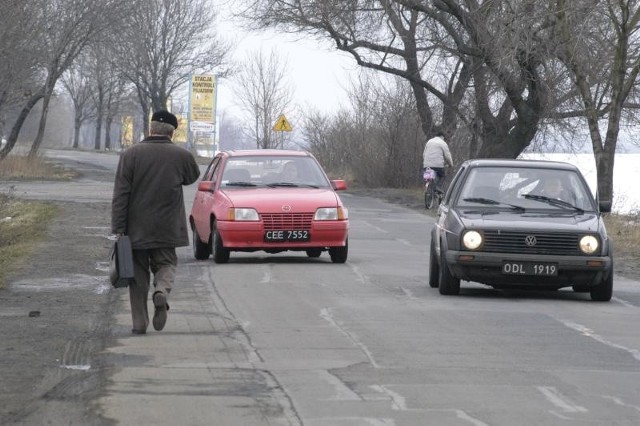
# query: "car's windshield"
{"points": [[527, 188], [273, 171]]}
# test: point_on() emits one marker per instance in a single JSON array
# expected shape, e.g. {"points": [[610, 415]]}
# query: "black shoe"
{"points": [[134, 331], [161, 308]]}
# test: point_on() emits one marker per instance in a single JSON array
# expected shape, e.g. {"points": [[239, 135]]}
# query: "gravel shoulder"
{"points": [[56, 319]]}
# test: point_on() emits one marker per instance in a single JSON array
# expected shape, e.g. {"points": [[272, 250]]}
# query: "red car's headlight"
{"points": [[331, 213], [243, 214]]}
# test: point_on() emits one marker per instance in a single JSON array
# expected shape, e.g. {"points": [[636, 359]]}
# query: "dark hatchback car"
{"points": [[521, 224]]}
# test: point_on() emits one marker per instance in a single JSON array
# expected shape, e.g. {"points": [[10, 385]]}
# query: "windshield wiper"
{"points": [[240, 184], [481, 200], [553, 201], [489, 201], [288, 184]]}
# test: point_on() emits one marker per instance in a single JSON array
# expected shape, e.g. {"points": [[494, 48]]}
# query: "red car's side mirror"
{"points": [[339, 184], [206, 186]]}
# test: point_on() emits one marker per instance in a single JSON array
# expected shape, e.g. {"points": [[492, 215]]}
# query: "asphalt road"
{"points": [[287, 340]]}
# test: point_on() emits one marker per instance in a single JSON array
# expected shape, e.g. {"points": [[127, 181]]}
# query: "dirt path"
{"points": [[56, 318]]}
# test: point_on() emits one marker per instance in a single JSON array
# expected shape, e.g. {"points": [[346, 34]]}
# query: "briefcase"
{"points": [[121, 263]]}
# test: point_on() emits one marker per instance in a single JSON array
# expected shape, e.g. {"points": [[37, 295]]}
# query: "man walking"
{"points": [[148, 206], [436, 155]]}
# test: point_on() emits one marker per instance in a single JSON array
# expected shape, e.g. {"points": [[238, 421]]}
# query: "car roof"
{"points": [[266, 152], [501, 162]]}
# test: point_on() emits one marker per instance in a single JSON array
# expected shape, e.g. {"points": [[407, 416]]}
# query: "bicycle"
{"points": [[432, 196]]}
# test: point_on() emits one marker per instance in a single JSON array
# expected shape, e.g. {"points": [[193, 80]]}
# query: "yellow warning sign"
{"points": [[282, 125]]}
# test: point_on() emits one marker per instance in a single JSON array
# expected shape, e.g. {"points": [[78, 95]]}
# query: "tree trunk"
{"points": [[77, 123], [43, 123], [17, 125], [107, 132], [99, 111]]}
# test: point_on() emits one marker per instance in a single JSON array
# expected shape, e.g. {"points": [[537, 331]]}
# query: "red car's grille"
{"points": [[287, 221]]}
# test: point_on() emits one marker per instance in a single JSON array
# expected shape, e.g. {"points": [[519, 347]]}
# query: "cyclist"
{"points": [[436, 156]]}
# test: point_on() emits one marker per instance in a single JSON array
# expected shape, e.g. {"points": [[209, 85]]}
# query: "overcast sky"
{"points": [[318, 74]]}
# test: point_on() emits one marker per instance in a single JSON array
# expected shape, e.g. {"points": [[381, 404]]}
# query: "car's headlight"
{"points": [[589, 244], [331, 213], [242, 214], [472, 240]]}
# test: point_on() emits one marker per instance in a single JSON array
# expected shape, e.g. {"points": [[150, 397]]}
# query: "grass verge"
{"points": [[20, 167], [22, 225], [624, 230]]}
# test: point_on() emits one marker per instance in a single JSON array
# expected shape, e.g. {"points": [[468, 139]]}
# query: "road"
{"points": [[287, 340]]}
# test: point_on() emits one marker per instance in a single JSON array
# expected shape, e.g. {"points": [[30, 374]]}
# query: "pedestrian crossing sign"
{"points": [[282, 125]]}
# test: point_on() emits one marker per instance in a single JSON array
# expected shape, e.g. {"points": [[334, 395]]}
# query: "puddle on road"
{"points": [[99, 284]]}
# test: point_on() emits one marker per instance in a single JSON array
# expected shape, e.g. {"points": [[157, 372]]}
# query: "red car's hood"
{"points": [[272, 200]]}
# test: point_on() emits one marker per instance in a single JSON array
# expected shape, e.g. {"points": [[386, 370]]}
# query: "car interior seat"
{"points": [[237, 175], [489, 192]]}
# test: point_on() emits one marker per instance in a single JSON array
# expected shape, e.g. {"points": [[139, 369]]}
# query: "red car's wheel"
{"points": [[220, 253], [201, 251], [339, 254]]}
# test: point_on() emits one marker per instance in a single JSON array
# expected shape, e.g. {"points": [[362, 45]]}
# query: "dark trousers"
{"points": [[161, 262]]}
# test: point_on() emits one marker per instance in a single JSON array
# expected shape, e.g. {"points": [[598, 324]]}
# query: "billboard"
{"points": [[202, 108]]}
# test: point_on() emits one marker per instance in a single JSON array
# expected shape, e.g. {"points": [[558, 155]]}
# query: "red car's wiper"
{"points": [[240, 184], [274, 184]]}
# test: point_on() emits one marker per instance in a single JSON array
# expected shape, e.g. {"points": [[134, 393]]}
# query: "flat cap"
{"points": [[164, 116]]}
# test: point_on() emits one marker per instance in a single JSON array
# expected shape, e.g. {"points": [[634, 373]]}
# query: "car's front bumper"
{"points": [[487, 268], [251, 235]]}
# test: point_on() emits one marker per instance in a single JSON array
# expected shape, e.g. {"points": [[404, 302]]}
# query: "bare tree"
{"points": [[70, 25], [473, 64], [163, 43], [264, 93], [601, 50], [19, 76], [75, 80]]}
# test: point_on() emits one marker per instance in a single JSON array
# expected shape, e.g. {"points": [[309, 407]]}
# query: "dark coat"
{"points": [[148, 203]]}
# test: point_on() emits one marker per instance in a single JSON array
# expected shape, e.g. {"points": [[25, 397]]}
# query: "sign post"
{"points": [[282, 125], [202, 108]]}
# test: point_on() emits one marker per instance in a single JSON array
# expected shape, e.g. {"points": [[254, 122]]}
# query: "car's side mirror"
{"points": [[206, 186], [339, 184]]}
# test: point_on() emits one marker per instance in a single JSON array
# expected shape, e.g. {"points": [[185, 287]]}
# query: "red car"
{"points": [[270, 200]]}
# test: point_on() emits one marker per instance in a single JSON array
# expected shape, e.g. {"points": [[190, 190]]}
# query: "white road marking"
{"points": [[266, 277], [618, 401], [398, 402], [76, 367], [361, 277], [377, 228], [342, 392], [408, 292], [589, 333], [556, 398], [623, 302], [328, 316]]}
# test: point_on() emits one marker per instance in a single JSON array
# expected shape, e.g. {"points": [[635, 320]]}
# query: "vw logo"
{"points": [[530, 241], [286, 208]]}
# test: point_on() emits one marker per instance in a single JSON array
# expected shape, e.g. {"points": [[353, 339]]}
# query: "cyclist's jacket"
{"points": [[436, 153]]}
